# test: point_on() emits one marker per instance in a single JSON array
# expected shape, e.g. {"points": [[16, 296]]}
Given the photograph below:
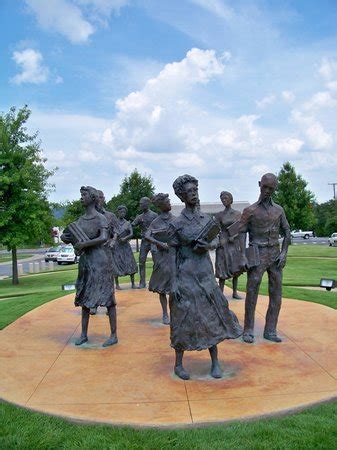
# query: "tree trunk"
{"points": [[137, 245], [15, 275]]}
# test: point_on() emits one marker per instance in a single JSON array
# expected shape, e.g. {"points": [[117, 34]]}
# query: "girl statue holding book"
{"points": [[94, 285], [124, 262], [200, 316], [228, 260], [163, 255]]}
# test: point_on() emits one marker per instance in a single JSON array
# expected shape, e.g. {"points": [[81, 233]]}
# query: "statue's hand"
{"points": [[79, 247], [244, 263], [163, 245], [281, 260], [201, 247]]}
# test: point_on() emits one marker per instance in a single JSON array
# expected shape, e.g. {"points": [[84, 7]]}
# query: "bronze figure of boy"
{"points": [[264, 221]]}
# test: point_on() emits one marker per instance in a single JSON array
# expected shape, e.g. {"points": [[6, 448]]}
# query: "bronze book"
{"points": [[209, 232], [160, 234], [78, 235]]}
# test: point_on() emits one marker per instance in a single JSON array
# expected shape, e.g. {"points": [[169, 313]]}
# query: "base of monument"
{"points": [[133, 382]]}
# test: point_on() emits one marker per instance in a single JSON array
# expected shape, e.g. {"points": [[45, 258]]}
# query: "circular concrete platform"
{"points": [[132, 382]]}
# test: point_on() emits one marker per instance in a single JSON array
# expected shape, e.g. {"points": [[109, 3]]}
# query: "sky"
{"points": [[223, 90]]}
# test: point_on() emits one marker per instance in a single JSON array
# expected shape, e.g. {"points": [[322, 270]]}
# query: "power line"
{"points": [[334, 189]]}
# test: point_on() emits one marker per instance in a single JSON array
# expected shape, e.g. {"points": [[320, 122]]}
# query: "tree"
{"points": [[25, 211], [326, 218], [132, 189], [292, 194]]}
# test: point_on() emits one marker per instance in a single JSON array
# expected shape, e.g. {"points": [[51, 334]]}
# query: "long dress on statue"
{"points": [[200, 315], [228, 254], [95, 284], [124, 262], [163, 260]]}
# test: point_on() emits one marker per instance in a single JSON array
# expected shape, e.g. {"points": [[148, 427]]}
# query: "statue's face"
{"points": [[191, 194], [86, 198], [267, 187], [101, 199], [121, 213], [144, 204], [165, 205], [226, 199]]}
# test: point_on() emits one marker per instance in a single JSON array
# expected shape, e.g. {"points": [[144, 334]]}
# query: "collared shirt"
{"points": [[144, 220], [264, 221]]}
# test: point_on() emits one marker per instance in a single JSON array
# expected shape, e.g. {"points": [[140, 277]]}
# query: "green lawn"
{"points": [[314, 428], [312, 251]]}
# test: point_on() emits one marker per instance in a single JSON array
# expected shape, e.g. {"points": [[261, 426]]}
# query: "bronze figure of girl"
{"points": [[228, 261], [163, 255], [94, 285], [200, 316]]}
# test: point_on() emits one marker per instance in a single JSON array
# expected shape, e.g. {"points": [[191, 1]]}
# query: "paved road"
{"points": [[38, 255]]}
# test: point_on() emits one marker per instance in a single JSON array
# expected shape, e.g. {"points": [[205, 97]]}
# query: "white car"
{"points": [[52, 254], [67, 255], [302, 234], [333, 240]]}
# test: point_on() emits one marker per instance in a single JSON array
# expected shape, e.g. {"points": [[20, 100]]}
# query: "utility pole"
{"points": [[334, 189]]}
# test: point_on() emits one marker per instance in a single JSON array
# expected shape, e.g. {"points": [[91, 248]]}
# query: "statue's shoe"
{"points": [[236, 297], [181, 373], [272, 337], [81, 340], [111, 341], [248, 338], [166, 320], [216, 371]]}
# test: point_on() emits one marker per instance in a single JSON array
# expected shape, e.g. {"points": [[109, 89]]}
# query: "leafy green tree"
{"points": [[132, 189], [326, 218], [72, 211], [25, 212], [296, 199]]}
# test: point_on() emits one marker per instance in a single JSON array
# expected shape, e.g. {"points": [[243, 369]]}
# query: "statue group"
{"points": [[183, 275]]}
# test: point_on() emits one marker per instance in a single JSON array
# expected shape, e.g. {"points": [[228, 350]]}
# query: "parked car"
{"points": [[52, 254], [67, 255], [333, 240], [302, 234]]}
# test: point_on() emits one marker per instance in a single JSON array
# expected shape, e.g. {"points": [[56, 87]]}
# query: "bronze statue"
{"points": [[113, 226], [228, 260], [122, 255], [200, 316], [264, 221], [163, 255], [144, 221], [94, 285]]}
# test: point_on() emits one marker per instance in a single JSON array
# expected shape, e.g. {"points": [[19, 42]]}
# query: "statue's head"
{"points": [[100, 201], [226, 198], [186, 188], [144, 203], [89, 195], [162, 202], [122, 211], [268, 184]]}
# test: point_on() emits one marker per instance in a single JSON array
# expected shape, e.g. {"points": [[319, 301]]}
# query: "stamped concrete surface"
{"points": [[133, 382]]}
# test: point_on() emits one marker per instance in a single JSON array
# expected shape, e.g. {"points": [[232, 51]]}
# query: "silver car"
{"points": [[333, 240], [52, 254]]}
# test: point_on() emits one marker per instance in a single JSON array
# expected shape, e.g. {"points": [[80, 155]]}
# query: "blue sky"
{"points": [[224, 90]]}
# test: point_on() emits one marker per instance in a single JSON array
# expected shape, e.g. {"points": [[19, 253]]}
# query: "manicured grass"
{"points": [[314, 428], [312, 251], [8, 258]]}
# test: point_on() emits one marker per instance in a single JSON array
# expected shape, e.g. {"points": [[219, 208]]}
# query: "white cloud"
{"points": [[74, 18], [319, 100], [289, 146], [265, 101], [316, 136], [215, 7], [63, 17], [288, 96], [327, 68], [32, 69]]}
